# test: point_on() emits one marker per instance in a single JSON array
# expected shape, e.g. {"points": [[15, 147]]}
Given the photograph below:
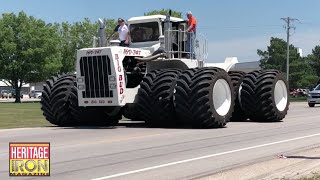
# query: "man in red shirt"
{"points": [[192, 22]]}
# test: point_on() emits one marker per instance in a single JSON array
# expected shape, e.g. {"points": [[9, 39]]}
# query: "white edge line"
{"points": [[202, 157]]}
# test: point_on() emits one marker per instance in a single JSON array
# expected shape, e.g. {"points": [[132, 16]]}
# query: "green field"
{"points": [[20, 115]]}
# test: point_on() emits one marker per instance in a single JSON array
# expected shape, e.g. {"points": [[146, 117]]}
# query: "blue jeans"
{"points": [[122, 43], [191, 43]]}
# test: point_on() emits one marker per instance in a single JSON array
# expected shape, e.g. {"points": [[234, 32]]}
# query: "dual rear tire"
{"points": [[198, 98], [211, 97], [264, 96], [154, 103], [204, 98]]}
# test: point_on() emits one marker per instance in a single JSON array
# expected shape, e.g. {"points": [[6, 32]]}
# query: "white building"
{"points": [[300, 52], [4, 85]]}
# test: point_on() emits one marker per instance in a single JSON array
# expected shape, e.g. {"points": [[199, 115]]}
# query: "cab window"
{"points": [[144, 32]]}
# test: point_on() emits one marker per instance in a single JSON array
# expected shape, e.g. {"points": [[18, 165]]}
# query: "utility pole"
{"points": [[288, 20]]}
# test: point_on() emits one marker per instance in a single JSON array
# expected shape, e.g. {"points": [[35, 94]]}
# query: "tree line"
{"points": [[304, 71]]}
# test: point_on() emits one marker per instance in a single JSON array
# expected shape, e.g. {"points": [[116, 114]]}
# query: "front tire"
{"points": [[45, 99], [60, 105]]}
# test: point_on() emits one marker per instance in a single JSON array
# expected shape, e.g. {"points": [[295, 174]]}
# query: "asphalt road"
{"points": [[143, 153]]}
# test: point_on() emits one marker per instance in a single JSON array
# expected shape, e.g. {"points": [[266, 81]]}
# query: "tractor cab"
{"points": [[147, 32]]}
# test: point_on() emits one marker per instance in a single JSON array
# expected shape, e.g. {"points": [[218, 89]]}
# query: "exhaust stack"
{"points": [[167, 35], [102, 35]]}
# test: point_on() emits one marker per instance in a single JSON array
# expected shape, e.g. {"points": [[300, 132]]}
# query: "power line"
{"points": [[289, 26], [239, 27]]}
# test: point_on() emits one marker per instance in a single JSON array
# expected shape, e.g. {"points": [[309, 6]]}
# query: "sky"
{"points": [[232, 27]]}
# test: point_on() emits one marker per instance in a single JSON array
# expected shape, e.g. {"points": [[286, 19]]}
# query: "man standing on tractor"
{"points": [[123, 33], [191, 33]]}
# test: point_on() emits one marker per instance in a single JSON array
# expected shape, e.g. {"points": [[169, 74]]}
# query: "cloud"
{"points": [[246, 48]]}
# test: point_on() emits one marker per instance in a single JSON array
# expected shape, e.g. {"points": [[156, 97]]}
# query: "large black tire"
{"points": [[260, 96], [155, 98], [236, 79], [61, 101], [60, 105], [194, 100], [45, 99]]}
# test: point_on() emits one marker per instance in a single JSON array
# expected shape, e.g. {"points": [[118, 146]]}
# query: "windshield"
{"points": [[317, 88], [143, 32]]}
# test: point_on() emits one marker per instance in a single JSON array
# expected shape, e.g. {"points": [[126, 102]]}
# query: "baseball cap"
{"points": [[189, 12]]}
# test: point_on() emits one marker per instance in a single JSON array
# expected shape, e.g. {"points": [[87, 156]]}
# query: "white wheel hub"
{"points": [[221, 95], [281, 95]]}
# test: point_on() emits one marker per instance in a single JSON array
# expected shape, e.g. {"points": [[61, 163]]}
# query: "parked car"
{"points": [[6, 94], [297, 93], [314, 96], [13, 92], [35, 94]]}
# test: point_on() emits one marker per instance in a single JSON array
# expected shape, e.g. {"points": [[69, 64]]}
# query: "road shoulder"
{"points": [[289, 166]]}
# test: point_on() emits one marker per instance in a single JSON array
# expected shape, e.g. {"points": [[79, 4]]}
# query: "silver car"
{"points": [[5, 94], [35, 94], [314, 96]]}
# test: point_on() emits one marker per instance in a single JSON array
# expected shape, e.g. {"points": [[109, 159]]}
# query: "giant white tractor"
{"points": [[154, 80]]}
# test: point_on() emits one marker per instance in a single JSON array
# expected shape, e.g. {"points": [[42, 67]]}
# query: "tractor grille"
{"points": [[95, 70]]}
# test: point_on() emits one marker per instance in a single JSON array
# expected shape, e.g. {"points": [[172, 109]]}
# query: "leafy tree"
{"points": [[315, 60], [164, 12], [301, 73], [276, 55], [79, 35], [29, 50]]}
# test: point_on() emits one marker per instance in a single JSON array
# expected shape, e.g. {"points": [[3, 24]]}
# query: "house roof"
{"points": [[4, 83]]}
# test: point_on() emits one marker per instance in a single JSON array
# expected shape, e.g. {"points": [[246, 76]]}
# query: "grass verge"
{"points": [[20, 115]]}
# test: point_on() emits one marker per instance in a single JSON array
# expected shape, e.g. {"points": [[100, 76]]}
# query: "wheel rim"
{"points": [[281, 95], [221, 95]]}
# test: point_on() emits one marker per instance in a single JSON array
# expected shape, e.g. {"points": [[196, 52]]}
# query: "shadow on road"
{"points": [[251, 121], [140, 124], [128, 124], [83, 127]]}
